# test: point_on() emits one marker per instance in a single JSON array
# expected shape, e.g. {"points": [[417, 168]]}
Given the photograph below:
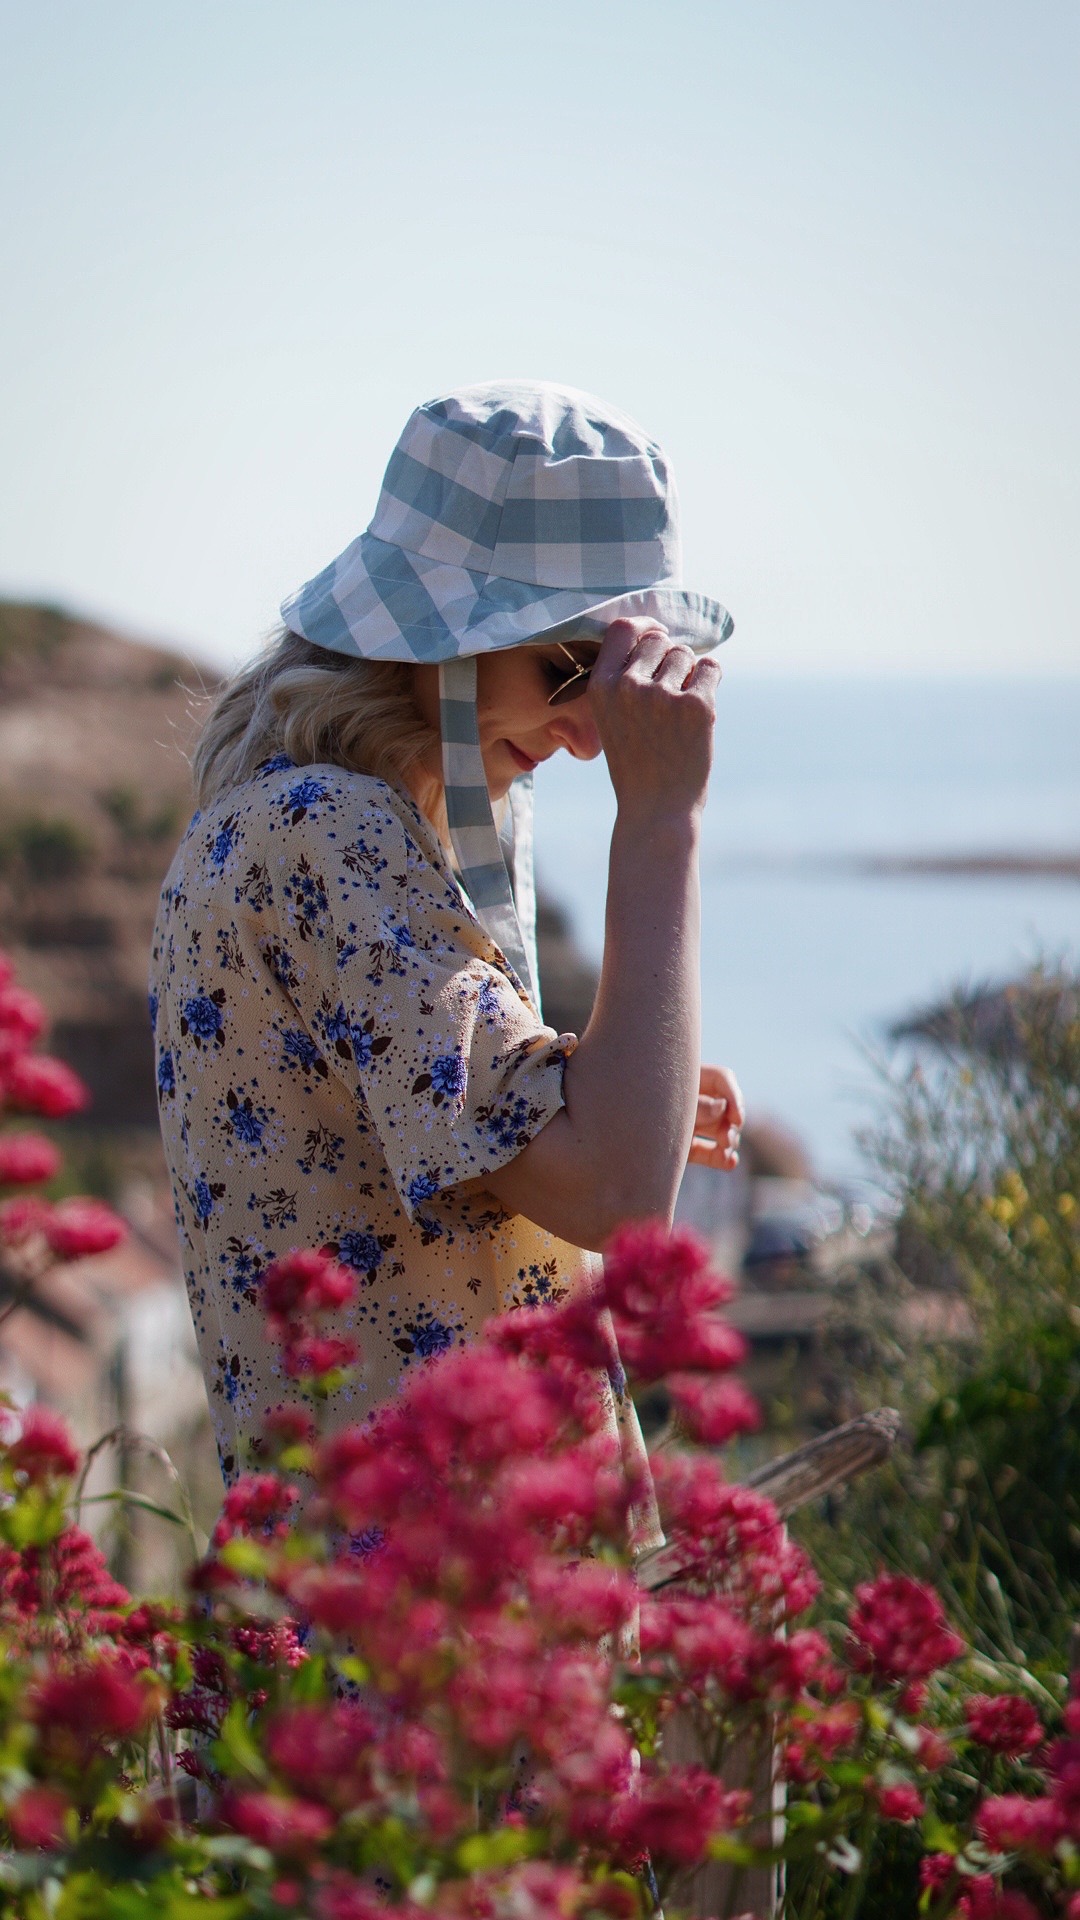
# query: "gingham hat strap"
{"points": [[483, 866]]}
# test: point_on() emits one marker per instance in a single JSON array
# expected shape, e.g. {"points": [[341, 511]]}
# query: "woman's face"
{"points": [[518, 728]]}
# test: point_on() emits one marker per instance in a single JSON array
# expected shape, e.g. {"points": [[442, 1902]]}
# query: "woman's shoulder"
{"points": [[283, 805]]}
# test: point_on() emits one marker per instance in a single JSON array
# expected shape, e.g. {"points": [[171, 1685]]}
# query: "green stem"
{"points": [[858, 1880]]}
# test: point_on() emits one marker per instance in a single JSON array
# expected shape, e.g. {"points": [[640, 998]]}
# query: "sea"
{"points": [[811, 951]]}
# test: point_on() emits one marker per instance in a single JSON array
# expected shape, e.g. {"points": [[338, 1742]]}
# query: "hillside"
{"points": [[94, 792]]}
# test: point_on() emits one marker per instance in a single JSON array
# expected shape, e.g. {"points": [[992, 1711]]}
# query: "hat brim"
{"points": [[377, 601]]}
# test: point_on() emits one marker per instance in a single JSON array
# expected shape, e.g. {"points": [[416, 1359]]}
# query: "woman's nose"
{"points": [[574, 728]]}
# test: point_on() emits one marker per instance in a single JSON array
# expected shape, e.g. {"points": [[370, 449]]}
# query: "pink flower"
{"points": [[335, 1598], [21, 1218], [289, 1426], [258, 1503], [933, 1751], [825, 1733], [663, 1297], [81, 1706], [1005, 1723], [579, 1492], [713, 1411], [899, 1630], [343, 1898], [902, 1802], [288, 1827], [983, 1899], [1011, 1824], [324, 1750], [730, 1536], [76, 1580], [314, 1354], [36, 1083], [305, 1282], [38, 1817], [937, 1871], [672, 1817], [273, 1645], [703, 1639], [26, 1158], [578, 1332], [78, 1227], [588, 1599], [43, 1449], [22, 1016]]}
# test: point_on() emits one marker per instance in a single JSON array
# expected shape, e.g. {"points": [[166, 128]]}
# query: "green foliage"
{"points": [[974, 1328], [136, 824], [38, 847]]}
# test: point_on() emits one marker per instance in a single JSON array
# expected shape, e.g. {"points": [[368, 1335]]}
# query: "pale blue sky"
{"points": [[826, 252]]}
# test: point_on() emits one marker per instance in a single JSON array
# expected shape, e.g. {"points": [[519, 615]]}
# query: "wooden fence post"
{"points": [[790, 1482]]}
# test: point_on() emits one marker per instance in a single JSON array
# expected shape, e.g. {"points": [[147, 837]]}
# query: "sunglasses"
{"points": [[568, 681]]}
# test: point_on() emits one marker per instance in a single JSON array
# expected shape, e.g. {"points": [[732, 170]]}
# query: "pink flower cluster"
{"points": [[899, 1632], [297, 1290], [35, 1083], [417, 1652]]}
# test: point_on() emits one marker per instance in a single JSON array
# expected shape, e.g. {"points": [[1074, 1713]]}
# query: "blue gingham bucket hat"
{"points": [[507, 509]]}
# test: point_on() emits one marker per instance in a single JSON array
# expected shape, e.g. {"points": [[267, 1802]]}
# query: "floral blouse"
{"points": [[340, 1046]]}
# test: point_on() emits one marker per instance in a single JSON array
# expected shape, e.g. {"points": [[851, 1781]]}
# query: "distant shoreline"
{"points": [[900, 866], [972, 866]]}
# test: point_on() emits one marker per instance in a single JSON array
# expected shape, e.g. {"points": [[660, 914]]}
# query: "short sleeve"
{"points": [[410, 1001]]}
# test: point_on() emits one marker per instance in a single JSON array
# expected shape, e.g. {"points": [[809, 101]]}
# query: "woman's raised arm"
{"points": [[618, 1148]]}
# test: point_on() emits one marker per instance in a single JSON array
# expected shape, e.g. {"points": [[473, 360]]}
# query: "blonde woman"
{"points": [[350, 1046]]}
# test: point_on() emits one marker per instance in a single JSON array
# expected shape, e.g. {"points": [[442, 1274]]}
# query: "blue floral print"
{"points": [[202, 1017], [366, 1058], [449, 1075]]}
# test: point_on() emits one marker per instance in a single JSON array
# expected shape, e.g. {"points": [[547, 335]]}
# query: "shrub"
{"points": [[40, 847]]}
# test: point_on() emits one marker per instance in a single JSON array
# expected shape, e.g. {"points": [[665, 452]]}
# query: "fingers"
{"points": [[722, 1159], [618, 644], [719, 1083], [674, 668], [719, 1119]]}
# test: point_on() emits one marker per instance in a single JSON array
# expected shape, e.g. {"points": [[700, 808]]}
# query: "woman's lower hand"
{"points": [[719, 1120]]}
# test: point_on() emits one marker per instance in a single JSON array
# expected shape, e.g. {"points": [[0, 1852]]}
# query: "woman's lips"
{"points": [[521, 759]]}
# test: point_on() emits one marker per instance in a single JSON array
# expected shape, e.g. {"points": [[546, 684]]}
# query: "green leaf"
{"points": [[130, 1499], [245, 1558], [234, 1750], [804, 1813], [847, 1773], [34, 1519], [308, 1680], [482, 1852], [937, 1837], [736, 1852], [352, 1668]]}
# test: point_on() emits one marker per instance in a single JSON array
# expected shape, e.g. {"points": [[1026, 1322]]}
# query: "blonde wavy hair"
{"points": [[316, 706]]}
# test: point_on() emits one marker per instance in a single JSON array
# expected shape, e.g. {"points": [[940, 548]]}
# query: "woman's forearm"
{"points": [[618, 1148], [631, 1086]]}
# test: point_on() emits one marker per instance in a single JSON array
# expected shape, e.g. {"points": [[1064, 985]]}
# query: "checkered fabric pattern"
{"points": [[506, 510]]}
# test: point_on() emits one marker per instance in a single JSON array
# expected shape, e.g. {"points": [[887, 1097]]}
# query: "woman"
{"points": [[350, 1048]]}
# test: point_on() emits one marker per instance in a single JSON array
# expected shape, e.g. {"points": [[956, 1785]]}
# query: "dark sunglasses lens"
{"points": [[572, 689], [576, 673]]}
